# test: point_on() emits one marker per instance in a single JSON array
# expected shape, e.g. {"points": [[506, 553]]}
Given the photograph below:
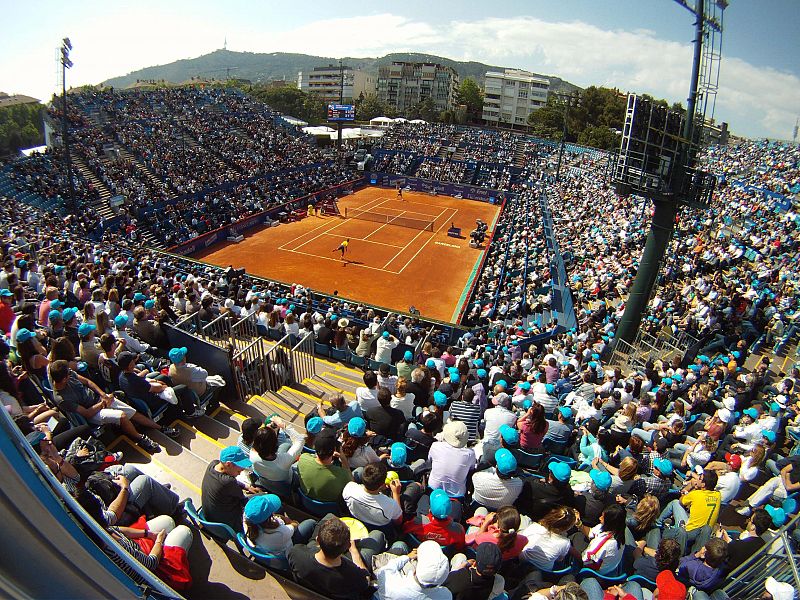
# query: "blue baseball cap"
{"points": [[663, 465], [526, 404], [481, 373], [550, 388], [769, 434], [149, 303], [440, 504], [778, 515], [139, 297], [357, 427], [235, 455], [430, 363], [177, 355], [751, 412], [502, 383], [385, 335], [85, 329], [525, 385], [560, 471], [69, 313], [455, 377], [601, 479], [261, 507], [667, 381], [439, 398], [506, 463], [6, 293], [314, 425], [775, 407], [54, 315], [565, 411], [56, 304], [399, 454], [478, 363], [121, 320], [23, 335], [408, 356], [509, 434]]}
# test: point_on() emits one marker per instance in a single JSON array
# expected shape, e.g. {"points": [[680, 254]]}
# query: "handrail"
{"points": [[72, 506]]}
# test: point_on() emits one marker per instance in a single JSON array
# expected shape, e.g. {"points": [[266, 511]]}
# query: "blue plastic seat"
{"points": [[643, 581], [321, 349], [316, 507], [266, 559], [339, 354], [218, 531], [357, 361], [142, 407]]}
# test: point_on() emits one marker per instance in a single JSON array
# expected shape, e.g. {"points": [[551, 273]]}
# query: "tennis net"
{"points": [[399, 220]]}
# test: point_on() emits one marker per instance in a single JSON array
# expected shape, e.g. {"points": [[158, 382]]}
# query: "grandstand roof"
{"points": [[9, 100]]}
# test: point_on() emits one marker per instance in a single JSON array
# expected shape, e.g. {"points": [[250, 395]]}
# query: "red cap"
{"points": [[733, 460]]}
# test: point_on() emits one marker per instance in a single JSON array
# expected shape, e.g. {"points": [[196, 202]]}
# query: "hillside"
{"points": [[260, 68]]}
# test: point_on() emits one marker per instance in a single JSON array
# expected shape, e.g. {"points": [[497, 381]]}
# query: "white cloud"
{"points": [[756, 101]]}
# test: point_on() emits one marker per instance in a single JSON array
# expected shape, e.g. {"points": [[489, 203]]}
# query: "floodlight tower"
{"points": [[657, 158], [66, 63]]}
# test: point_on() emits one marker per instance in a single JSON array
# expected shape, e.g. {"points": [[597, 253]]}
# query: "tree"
{"points": [[21, 126], [369, 107], [425, 110], [599, 136], [548, 121], [470, 95]]}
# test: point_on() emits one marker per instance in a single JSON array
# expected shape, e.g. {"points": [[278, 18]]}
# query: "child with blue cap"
{"points": [[268, 531]]}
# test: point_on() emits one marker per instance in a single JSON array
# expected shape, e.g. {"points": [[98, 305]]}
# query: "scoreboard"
{"points": [[341, 112]]}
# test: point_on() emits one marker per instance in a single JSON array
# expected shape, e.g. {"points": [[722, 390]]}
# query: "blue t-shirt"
{"points": [[343, 417], [558, 432]]}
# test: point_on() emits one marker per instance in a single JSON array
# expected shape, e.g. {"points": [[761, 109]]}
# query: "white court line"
{"points": [[282, 247], [384, 225], [428, 240], [412, 240], [409, 212], [366, 240], [338, 260]]}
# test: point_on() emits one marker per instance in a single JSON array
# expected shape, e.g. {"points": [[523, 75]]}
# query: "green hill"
{"points": [[261, 68]]}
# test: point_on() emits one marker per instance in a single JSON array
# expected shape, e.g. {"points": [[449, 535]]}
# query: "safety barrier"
{"points": [[302, 359]]}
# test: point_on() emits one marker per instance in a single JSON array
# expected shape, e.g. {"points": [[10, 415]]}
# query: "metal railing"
{"points": [[218, 330], [249, 370], [302, 359], [647, 346], [775, 559], [245, 329]]}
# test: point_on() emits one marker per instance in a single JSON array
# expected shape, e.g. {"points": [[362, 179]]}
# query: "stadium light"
{"points": [[66, 63]]}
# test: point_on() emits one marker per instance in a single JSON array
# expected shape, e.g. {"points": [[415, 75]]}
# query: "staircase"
{"points": [[126, 154], [519, 155], [102, 206]]}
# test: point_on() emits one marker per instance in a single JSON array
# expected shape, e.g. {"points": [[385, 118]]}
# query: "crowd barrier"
{"points": [[221, 234]]}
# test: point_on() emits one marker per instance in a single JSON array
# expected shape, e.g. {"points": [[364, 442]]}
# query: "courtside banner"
{"points": [[429, 186]]}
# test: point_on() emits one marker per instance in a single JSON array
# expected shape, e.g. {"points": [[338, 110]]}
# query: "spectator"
{"points": [[320, 479], [222, 498]]}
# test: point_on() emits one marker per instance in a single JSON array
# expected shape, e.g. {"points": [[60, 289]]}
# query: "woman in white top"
{"points": [[606, 541], [272, 533], [271, 463], [355, 444], [547, 543], [402, 400], [290, 325]]}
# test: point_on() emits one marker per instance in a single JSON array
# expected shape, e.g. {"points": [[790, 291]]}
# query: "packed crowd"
{"points": [[444, 170], [394, 162], [423, 138], [501, 146]]}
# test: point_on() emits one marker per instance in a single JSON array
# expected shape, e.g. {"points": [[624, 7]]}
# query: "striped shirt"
{"points": [[132, 548], [469, 414]]}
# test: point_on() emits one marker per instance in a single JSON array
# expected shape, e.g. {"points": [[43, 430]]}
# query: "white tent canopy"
{"points": [[319, 130], [418, 121]]}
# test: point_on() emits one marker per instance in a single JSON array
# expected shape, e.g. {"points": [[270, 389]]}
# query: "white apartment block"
{"points": [[510, 96]]}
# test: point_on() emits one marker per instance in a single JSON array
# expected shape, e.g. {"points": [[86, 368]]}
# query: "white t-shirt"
{"points": [[278, 540], [728, 486], [367, 398], [748, 470], [602, 548], [405, 405], [495, 417], [370, 509], [544, 548]]}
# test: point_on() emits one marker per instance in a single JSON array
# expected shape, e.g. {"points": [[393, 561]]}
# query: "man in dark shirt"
{"points": [[419, 440], [739, 550], [222, 497], [384, 420], [538, 496], [136, 385], [474, 581], [592, 503], [325, 333], [322, 566]]}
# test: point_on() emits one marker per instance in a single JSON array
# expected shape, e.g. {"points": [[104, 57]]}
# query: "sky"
{"points": [[641, 46]]}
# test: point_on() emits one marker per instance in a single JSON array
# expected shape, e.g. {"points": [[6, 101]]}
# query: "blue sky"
{"points": [[635, 45]]}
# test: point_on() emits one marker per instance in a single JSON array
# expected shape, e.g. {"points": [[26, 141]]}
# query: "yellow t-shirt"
{"points": [[345, 243], [703, 508]]}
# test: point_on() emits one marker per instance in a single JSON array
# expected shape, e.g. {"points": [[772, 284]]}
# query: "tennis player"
{"points": [[399, 193], [342, 247]]}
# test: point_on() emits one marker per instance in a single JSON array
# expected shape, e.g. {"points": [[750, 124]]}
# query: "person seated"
{"points": [[273, 463], [270, 532], [538, 496], [75, 394], [388, 423], [705, 569], [89, 348], [367, 502], [533, 427], [151, 390], [356, 444], [397, 461], [185, 373], [367, 396], [547, 543], [451, 461], [321, 479], [422, 580], [222, 497], [497, 486], [754, 536], [703, 502], [323, 566], [477, 579], [466, 410], [419, 441], [787, 482], [559, 431], [606, 541], [592, 502], [437, 524], [341, 412], [500, 528], [386, 379]]}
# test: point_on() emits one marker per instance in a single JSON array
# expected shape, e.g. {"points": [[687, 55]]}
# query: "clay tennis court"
{"points": [[385, 264]]}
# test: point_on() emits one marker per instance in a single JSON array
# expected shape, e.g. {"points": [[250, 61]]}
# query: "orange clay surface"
{"points": [[385, 265]]}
